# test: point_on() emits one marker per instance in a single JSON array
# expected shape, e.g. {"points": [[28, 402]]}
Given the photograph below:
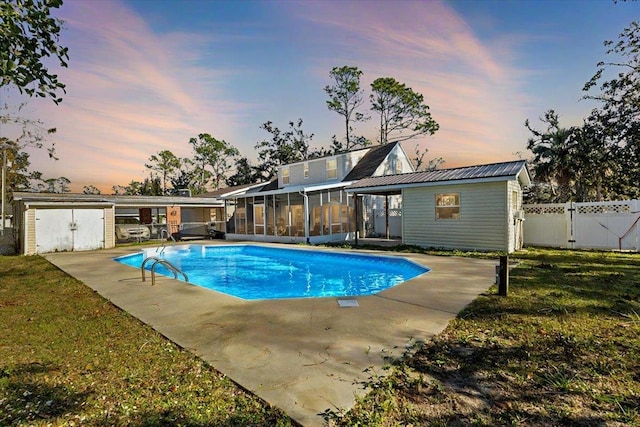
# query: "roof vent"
{"points": [[184, 192]]}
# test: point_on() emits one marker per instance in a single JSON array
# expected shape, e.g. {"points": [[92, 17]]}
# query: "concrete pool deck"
{"points": [[301, 355]]}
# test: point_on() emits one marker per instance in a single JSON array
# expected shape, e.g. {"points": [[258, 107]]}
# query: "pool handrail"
{"points": [[156, 260]]}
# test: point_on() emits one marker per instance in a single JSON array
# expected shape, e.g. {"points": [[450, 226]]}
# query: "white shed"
{"points": [[56, 223], [469, 208], [47, 222]]}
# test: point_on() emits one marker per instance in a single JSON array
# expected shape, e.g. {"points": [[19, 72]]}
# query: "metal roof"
{"points": [[140, 201], [489, 172], [309, 188]]}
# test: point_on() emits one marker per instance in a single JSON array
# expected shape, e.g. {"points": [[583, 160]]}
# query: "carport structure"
{"points": [[48, 222]]}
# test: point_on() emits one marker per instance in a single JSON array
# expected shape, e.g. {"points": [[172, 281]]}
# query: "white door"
{"points": [[89, 229], [53, 233], [59, 230]]}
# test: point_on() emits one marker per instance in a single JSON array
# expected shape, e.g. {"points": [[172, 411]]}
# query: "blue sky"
{"points": [[147, 75]]}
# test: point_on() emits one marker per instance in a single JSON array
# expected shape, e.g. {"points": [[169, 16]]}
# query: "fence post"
{"points": [[503, 277]]}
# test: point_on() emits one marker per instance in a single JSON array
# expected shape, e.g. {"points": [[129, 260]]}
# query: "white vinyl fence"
{"points": [[395, 222], [598, 225]]}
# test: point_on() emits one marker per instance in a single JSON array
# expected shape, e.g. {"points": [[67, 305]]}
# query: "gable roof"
{"points": [[489, 172], [370, 162]]}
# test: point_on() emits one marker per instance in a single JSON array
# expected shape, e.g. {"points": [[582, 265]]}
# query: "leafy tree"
{"points": [[403, 113], [572, 162], [345, 97], [17, 171], [185, 176], [49, 185], [245, 173], [283, 148], [90, 189], [215, 154], [134, 188], [419, 161], [151, 187], [165, 163], [29, 35], [616, 121]]}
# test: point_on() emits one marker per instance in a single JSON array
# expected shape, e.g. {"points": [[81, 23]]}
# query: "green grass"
{"points": [[69, 357], [562, 349]]}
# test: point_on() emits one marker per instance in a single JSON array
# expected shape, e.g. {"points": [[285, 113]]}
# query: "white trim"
{"points": [[295, 189], [385, 188]]}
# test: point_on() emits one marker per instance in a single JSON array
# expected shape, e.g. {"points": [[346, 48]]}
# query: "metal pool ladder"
{"points": [[172, 268]]}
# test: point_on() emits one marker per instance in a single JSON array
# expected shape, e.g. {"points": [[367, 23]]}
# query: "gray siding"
{"points": [[318, 169], [483, 214]]}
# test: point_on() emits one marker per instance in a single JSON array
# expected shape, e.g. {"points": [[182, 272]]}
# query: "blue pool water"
{"points": [[257, 272]]}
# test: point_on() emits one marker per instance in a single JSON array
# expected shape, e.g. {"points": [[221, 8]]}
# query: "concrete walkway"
{"points": [[301, 355]]}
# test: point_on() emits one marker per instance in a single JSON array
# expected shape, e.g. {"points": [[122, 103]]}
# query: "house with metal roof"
{"points": [[471, 208], [307, 201]]}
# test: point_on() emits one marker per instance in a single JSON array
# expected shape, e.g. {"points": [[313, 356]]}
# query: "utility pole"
{"points": [[4, 189]]}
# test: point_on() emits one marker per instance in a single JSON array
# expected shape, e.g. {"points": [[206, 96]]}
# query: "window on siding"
{"points": [[514, 200], [285, 175], [332, 169], [448, 206], [306, 170]]}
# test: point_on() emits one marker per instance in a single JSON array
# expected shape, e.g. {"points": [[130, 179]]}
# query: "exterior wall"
{"points": [[396, 162], [109, 228], [318, 169], [483, 214], [30, 232]]}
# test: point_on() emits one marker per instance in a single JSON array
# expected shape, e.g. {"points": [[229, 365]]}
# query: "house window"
{"points": [[285, 175], [332, 169], [448, 206], [306, 170]]}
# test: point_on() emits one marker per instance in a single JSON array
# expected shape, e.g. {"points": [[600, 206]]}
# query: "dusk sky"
{"points": [[147, 75]]}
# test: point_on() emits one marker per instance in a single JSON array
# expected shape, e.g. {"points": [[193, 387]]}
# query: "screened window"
{"points": [[448, 206], [306, 170], [258, 218], [285, 175], [332, 169]]}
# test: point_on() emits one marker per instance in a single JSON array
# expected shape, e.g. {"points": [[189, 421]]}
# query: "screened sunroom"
{"points": [[314, 214]]}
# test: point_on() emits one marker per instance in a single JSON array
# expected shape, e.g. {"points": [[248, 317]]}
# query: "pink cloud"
{"points": [[470, 86], [130, 94]]}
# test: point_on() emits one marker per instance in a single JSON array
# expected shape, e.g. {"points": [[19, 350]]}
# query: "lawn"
{"points": [[69, 357], [562, 349]]}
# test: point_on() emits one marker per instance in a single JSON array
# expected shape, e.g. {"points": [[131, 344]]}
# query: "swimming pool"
{"points": [[254, 272]]}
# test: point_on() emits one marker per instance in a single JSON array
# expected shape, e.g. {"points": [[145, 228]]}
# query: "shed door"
{"points": [[89, 229], [59, 230], [53, 230]]}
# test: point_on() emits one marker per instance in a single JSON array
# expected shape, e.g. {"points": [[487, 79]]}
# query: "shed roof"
{"points": [[489, 172]]}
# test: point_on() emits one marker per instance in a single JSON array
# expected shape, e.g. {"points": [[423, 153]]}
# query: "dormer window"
{"points": [[285, 175], [332, 169], [398, 166], [306, 170]]}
